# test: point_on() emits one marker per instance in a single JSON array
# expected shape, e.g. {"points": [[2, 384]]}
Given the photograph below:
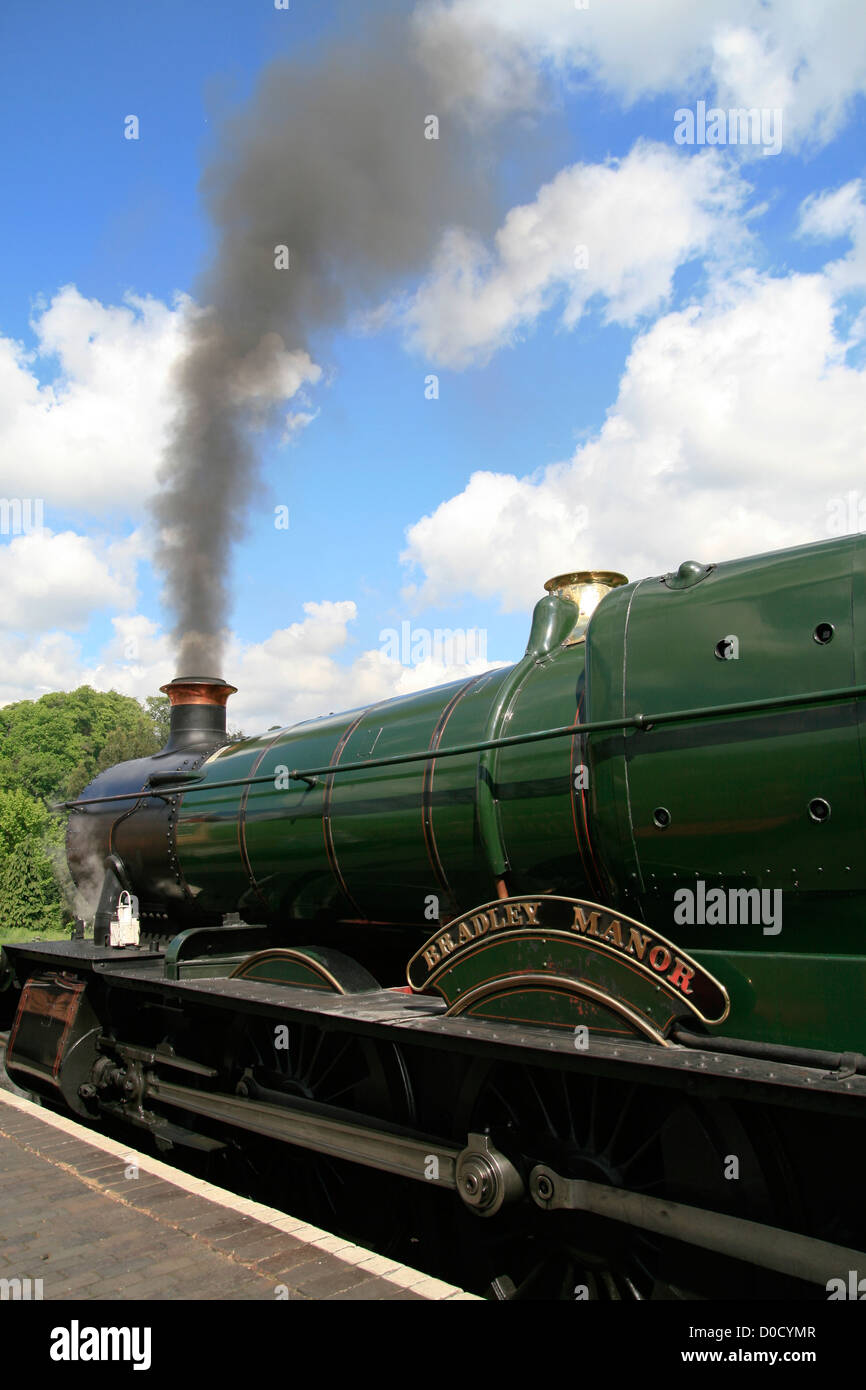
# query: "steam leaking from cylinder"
{"points": [[330, 161]]}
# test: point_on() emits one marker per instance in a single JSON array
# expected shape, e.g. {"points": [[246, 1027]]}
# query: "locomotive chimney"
{"points": [[198, 711]]}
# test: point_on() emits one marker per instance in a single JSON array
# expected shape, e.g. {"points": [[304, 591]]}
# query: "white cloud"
{"points": [[31, 668], [616, 230], [294, 674], [841, 213], [737, 422], [810, 59], [484, 52], [751, 70], [491, 540], [91, 437], [49, 580]]}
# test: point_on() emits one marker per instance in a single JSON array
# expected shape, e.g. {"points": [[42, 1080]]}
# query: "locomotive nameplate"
{"points": [[612, 962]]}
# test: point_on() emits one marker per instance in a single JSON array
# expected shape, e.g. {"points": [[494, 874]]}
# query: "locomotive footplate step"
{"points": [[85, 1217]]}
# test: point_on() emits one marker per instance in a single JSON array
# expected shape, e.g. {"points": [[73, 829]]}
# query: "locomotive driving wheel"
{"points": [[277, 1064], [662, 1143]]}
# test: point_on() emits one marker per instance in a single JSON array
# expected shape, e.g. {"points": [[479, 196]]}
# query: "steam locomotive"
{"points": [[556, 972]]}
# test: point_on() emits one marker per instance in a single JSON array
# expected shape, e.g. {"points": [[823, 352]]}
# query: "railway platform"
{"points": [[83, 1217]]}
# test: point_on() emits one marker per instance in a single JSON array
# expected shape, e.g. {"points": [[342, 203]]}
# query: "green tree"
{"points": [[31, 901], [50, 749], [159, 712], [55, 745]]}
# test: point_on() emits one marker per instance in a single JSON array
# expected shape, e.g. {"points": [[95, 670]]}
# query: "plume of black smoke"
{"points": [[329, 159]]}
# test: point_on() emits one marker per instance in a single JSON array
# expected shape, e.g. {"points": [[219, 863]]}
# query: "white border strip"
{"points": [[402, 1276]]}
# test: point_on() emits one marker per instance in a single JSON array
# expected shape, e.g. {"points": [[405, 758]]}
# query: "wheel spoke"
{"points": [[590, 1138], [320, 1080], [307, 1073], [624, 1109], [540, 1102], [506, 1105], [528, 1281], [569, 1117], [350, 1086], [652, 1139], [651, 1241]]}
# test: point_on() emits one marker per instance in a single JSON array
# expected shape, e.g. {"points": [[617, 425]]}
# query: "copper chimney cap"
{"points": [[198, 690]]}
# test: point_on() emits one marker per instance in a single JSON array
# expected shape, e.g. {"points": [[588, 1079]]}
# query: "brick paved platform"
{"points": [[93, 1219]]}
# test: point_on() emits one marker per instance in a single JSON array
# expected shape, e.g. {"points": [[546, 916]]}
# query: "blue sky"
{"points": [[627, 415]]}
